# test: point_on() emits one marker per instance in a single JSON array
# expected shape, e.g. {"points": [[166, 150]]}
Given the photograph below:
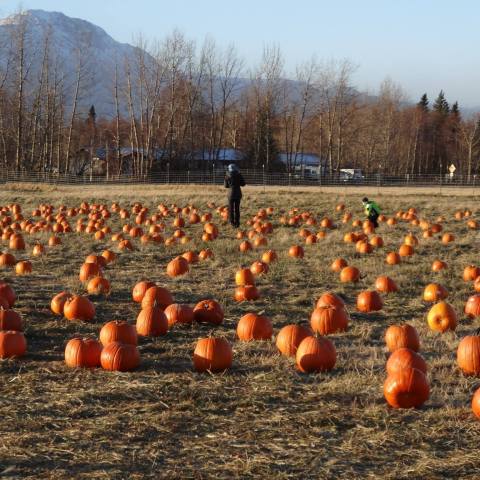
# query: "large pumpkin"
{"points": [[404, 359], [157, 295], [402, 336], [442, 317], [329, 319], [152, 322], [12, 344], [369, 301], [83, 352], [289, 338], [121, 357], [208, 311], [407, 389], [78, 307], [254, 327], [179, 313], [468, 354], [118, 331], [315, 354], [212, 354]]}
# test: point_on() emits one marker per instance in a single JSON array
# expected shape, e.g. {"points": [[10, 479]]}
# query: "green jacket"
{"points": [[372, 207]]}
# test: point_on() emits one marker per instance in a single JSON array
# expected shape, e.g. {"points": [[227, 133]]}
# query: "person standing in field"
{"points": [[372, 210], [234, 180]]}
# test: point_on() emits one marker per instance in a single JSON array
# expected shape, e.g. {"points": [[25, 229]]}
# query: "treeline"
{"points": [[176, 102]]}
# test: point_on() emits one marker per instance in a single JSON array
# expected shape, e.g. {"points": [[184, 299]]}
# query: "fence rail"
{"points": [[252, 177]]}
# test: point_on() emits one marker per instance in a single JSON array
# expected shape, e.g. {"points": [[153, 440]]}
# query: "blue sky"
{"points": [[424, 45]]}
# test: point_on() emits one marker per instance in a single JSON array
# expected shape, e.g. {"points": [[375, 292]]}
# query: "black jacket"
{"points": [[233, 181]]}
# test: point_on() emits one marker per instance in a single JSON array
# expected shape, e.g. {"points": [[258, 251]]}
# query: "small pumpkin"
{"points": [[402, 336], [476, 403], [246, 293], [12, 344], [470, 273], [259, 268], [472, 307], [407, 389], [78, 307], [330, 298], [10, 320], [385, 284], [338, 264], [438, 265], [23, 268], [269, 256], [329, 319], [254, 327], [122, 357], [212, 354], [208, 311], [58, 302], [406, 250], [98, 286], [289, 338], [392, 258], [88, 271], [315, 354], [83, 352], [139, 290], [403, 359], [178, 266], [296, 251], [8, 293], [434, 292], [349, 274], [118, 331], [179, 313], [442, 317], [369, 301], [468, 354], [244, 276], [152, 322]]}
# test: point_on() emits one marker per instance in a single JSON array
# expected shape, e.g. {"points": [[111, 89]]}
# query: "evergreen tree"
{"points": [[455, 111], [441, 105], [423, 103]]}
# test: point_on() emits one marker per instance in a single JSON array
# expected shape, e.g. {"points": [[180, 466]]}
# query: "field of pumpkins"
{"points": [[142, 333]]}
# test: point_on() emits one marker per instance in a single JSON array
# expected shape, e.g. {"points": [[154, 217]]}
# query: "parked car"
{"points": [[351, 175]]}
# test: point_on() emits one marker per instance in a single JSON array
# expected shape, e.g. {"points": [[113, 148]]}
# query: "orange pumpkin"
{"points": [[385, 284], [179, 313], [83, 353], [12, 344], [349, 274], [402, 336], [442, 317], [329, 319], [78, 307], [254, 327], [152, 322], [121, 357], [244, 276], [434, 292], [212, 354], [290, 337], [158, 296], [404, 359], [178, 266], [406, 389], [315, 354], [369, 301]]}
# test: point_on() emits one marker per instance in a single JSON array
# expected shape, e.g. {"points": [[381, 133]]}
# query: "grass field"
{"points": [[262, 418]]}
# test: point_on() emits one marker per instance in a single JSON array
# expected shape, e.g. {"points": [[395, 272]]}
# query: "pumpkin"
{"points": [[438, 265], [23, 268], [139, 290], [12, 344], [406, 389], [330, 299], [254, 327], [404, 359], [245, 246], [369, 301], [258, 267], [8, 293], [157, 295], [212, 354], [315, 354], [329, 319], [476, 403], [246, 293], [88, 271], [191, 257], [152, 322], [376, 241], [78, 307], [58, 302], [472, 307], [363, 247], [392, 258], [349, 274], [178, 313], [402, 336], [208, 311], [244, 276], [83, 352], [98, 259], [442, 317], [296, 251], [476, 284], [385, 284], [16, 242], [434, 292], [109, 256], [338, 264], [10, 320], [121, 357], [38, 250], [7, 260], [269, 256], [205, 254], [178, 266], [468, 354], [98, 286], [406, 250], [448, 238], [289, 338], [470, 273]]}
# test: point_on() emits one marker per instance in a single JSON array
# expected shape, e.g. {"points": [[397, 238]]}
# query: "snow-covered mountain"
{"points": [[66, 34]]}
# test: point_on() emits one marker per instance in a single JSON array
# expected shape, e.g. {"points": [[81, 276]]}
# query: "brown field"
{"points": [[262, 418]]}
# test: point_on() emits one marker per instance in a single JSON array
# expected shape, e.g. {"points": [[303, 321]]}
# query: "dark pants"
{"points": [[234, 211], [373, 218]]}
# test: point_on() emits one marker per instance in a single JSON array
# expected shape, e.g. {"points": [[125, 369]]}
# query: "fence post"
{"points": [[168, 173], [289, 179], [263, 167]]}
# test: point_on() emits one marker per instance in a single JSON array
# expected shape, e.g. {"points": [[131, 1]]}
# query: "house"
{"points": [[127, 159], [218, 159], [305, 163]]}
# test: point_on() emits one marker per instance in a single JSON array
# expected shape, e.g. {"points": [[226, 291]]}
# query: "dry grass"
{"points": [[261, 419]]}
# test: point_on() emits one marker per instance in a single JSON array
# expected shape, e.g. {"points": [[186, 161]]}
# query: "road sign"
{"points": [[452, 169]]}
